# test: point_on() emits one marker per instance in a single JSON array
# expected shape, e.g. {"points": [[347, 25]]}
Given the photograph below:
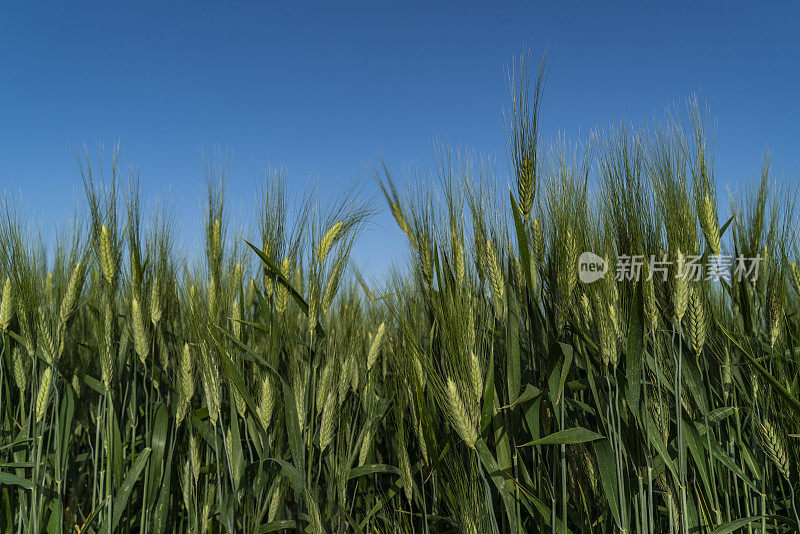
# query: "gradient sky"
{"points": [[324, 87]]}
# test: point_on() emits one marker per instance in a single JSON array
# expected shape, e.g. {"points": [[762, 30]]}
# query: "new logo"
{"points": [[591, 267]]}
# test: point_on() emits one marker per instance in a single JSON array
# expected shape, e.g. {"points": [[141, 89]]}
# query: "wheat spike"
{"points": [[328, 240], [375, 348], [570, 256], [194, 456], [405, 465], [328, 421], [609, 338], [459, 416], [155, 302], [107, 256], [213, 300], [697, 321], [476, 375], [27, 332], [7, 305], [795, 275], [538, 241], [312, 307], [526, 184], [586, 311], [238, 400], [276, 501], [266, 401], [332, 286], [775, 312], [680, 288], [314, 513], [727, 375], [344, 379], [661, 418], [298, 381], [215, 245], [49, 298], [423, 446], [250, 295], [324, 385], [460, 266], [73, 291], [186, 483], [397, 213], [77, 386], [426, 257], [366, 443], [211, 386], [205, 514], [186, 383], [187, 374], [140, 341], [45, 341], [773, 446], [495, 273], [236, 319], [355, 374], [20, 371], [43, 396], [107, 354], [283, 291], [708, 223]]}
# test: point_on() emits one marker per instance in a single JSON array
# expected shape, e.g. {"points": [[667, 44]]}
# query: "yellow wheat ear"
{"points": [[328, 240]]}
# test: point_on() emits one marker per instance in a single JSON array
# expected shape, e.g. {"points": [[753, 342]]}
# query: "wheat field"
{"points": [[478, 386]]}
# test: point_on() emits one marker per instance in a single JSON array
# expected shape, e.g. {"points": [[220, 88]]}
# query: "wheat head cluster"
{"points": [[265, 385]]}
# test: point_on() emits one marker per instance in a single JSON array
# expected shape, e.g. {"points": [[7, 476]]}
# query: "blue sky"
{"points": [[322, 88]]}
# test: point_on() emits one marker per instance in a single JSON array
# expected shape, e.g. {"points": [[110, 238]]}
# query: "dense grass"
{"points": [[480, 388]]}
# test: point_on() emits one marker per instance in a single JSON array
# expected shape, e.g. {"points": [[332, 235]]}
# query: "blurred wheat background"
{"points": [[478, 387]]}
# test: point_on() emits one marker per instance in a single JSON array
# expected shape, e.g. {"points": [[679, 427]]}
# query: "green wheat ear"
{"points": [[328, 421], [107, 256], [186, 384], [21, 366], [140, 340], [43, 395], [7, 305], [375, 347], [774, 448], [155, 302], [697, 321], [459, 415], [538, 241], [266, 401], [495, 273], [680, 288], [74, 287], [708, 223]]}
